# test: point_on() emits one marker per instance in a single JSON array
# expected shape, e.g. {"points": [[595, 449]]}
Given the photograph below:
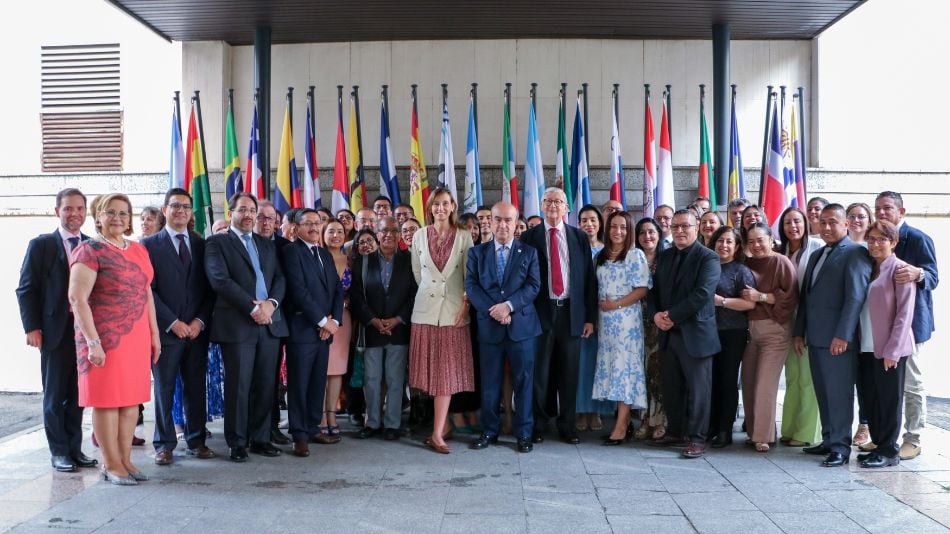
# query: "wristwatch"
{"points": [[920, 277], [92, 343], [763, 297]]}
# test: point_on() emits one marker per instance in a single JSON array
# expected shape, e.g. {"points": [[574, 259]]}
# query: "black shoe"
{"points": [[391, 434], [524, 445], [834, 459], [721, 440], [570, 438], [278, 437], [816, 449], [367, 432], [483, 442], [357, 420], [865, 456], [264, 449], [613, 442], [238, 454], [63, 464], [877, 461], [537, 436], [81, 460]]}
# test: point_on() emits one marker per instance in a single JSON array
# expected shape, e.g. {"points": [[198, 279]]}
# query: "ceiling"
{"points": [[300, 21]]}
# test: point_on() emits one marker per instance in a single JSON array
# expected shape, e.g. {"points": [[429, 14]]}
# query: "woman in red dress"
{"points": [[116, 333]]}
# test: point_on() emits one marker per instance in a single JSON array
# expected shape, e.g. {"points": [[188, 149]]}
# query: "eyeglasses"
{"points": [[554, 202], [265, 218], [112, 214], [878, 240], [344, 218], [305, 224], [681, 227], [243, 210], [857, 217], [179, 206], [664, 217]]}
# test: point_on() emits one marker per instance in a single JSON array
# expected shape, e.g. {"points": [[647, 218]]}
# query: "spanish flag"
{"points": [[196, 178], [418, 183]]}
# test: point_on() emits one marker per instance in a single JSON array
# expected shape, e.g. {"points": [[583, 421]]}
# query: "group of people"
{"points": [[565, 317]]}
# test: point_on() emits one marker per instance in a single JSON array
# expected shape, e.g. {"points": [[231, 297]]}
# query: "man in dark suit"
{"points": [[502, 281], [382, 297], [315, 309], [829, 308], [663, 215], [48, 323], [183, 302], [244, 272], [681, 306], [917, 249], [567, 308]]}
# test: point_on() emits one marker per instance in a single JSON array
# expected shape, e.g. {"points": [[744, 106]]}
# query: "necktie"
{"points": [[73, 243], [260, 289], [819, 263], [315, 250], [677, 260], [183, 253], [557, 278], [501, 260]]}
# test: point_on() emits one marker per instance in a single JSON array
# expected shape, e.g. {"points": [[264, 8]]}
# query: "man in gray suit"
{"points": [[833, 292]]}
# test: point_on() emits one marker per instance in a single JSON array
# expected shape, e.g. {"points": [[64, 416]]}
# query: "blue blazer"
{"points": [[312, 292], [519, 286], [917, 249], [831, 306], [179, 293]]}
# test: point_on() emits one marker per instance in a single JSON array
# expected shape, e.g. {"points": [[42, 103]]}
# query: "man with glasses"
{"points": [[183, 303], [663, 215], [610, 207], [681, 306], [382, 207], [365, 219], [403, 213], [243, 270]]}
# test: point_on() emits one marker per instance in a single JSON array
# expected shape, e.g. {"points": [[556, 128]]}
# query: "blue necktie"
{"points": [[260, 289], [501, 260], [73, 243]]}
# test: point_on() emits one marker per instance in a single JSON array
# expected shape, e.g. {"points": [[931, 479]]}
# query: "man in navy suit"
{"points": [[502, 281], [917, 250], [315, 309], [567, 308], [183, 303], [829, 308], [681, 306], [48, 323], [243, 271]]}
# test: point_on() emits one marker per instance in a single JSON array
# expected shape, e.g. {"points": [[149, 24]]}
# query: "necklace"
{"points": [[123, 246]]}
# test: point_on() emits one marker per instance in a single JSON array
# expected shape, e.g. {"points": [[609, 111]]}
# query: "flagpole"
{"points": [[669, 115], [223, 149], [475, 107], [765, 142], [617, 104], [801, 136], [534, 98], [586, 129], [204, 152], [178, 111], [359, 136]]}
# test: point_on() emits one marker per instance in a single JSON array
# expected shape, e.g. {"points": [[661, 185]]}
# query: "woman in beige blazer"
{"points": [[440, 347]]}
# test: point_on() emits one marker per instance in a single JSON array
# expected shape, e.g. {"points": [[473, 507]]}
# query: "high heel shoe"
{"points": [[116, 479], [138, 476]]}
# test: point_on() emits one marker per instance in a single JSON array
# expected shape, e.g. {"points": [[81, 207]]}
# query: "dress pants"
{"points": [[387, 362], [520, 356], [306, 387], [687, 382], [249, 388], [559, 348], [884, 399], [834, 387], [190, 358], [725, 380], [762, 366], [915, 397], [863, 384], [800, 406], [62, 415]]}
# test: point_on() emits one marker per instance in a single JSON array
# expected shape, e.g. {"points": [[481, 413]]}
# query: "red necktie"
{"points": [[557, 279]]}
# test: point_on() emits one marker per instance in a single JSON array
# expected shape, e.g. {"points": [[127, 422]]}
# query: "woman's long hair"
{"points": [[628, 241]]}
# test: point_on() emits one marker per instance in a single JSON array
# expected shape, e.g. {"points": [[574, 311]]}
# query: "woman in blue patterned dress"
{"points": [[623, 279]]}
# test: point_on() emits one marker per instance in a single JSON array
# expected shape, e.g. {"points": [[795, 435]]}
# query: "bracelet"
{"points": [[722, 303], [763, 297], [93, 343]]}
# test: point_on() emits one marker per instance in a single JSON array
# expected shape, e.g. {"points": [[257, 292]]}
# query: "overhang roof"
{"points": [[303, 21]]}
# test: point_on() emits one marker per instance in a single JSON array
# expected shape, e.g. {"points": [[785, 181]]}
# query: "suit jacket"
{"points": [[231, 276], [582, 282], [891, 306], [830, 307], [370, 300], [315, 291], [180, 293], [519, 286], [688, 297], [917, 249], [42, 293], [440, 293]]}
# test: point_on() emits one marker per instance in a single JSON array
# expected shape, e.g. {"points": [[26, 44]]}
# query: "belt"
{"points": [[559, 303]]}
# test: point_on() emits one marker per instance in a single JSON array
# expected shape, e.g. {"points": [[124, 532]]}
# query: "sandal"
{"points": [[333, 430], [659, 432], [761, 447], [596, 423], [581, 423], [642, 432]]}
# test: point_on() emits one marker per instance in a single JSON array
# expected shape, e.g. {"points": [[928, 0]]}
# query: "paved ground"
{"points": [[378, 486]]}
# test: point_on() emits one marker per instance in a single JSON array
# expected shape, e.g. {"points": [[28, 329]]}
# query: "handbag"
{"points": [[356, 377]]}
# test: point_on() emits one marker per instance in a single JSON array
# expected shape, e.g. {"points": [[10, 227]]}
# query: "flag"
{"points": [[287, 188], [196, 177], [253, 176], [340, 197], [233, 179], [799, 164], [533, 170], [788, 157], [773, 191], [579, 166], [388, 186], [509, 179], [311, 181], [736, 178], [176, 165], [707, 182], [357, 184], [617, 191], [418, 183], [562, 167], [473, 175], [446, 176], [649, 163], [664, 171]]}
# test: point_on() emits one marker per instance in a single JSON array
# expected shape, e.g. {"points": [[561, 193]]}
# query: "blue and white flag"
{"points": [[388, 186], [579, 172], [446, 176], [533, 171], [176, 165], [473, 177]]}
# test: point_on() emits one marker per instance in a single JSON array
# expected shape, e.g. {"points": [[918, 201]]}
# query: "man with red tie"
{"points": [[567, 308]]}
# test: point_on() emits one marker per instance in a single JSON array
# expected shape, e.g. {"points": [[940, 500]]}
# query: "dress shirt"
{"points": [[386, 269], [252, 251], [565, 258]]}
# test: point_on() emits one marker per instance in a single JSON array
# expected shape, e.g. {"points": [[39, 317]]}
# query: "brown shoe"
{"points": [[201, 453], [163, 457], [441, 449], [694, 450], [325, 439], [301, 449]]}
